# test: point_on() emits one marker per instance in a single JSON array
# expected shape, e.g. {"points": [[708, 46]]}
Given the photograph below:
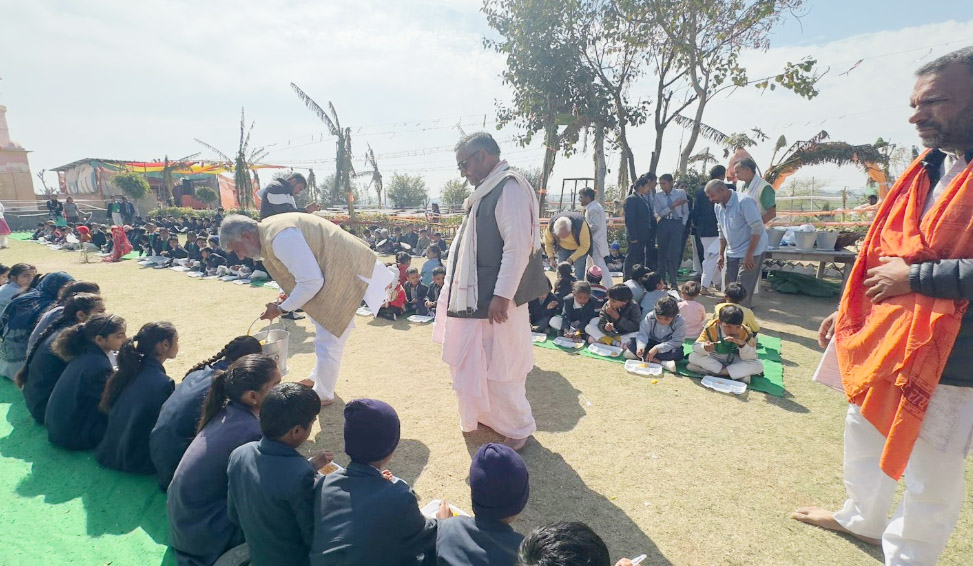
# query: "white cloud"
{"points": [[140, 80]]}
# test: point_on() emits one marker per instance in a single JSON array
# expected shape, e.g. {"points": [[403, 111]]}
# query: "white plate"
{"points": [[420, 318], [567, 342], [605, 350], [617, 274], [724, 385], [644, 369], [242, 282], [430, 509], [363, 311], [538, 337]]}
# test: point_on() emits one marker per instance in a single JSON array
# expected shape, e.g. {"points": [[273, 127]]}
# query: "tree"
{"points": [[132, 184], [455, 192], [703, 40], [551, 87], [242, 164], [206, 195], [407, 191], [344, 170]]}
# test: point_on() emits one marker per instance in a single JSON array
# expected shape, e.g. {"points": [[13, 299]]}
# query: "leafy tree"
{"points": [[206, 195], [246, 157], [133, 185], [455, 192], [407, 191]]}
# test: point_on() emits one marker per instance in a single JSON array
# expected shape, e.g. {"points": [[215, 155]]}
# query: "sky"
{"points": [[141, 80]]}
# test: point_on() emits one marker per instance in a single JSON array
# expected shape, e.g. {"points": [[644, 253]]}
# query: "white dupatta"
{"points": [[462, 285]]}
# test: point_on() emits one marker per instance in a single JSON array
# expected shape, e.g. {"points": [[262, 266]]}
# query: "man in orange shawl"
{"points": [[903, 336]]}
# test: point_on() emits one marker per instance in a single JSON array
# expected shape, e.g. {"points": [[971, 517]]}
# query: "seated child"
{"points": [[396, 240], [565, 544], [594, 276], [543, 309], [402, 262], [72, 417], [174, 250], [579, 309], [43, 367], [655, 289], [415, 293], [438, 241], [635, 282], [616, 260], [211, 260], [199, 525], [660, 335], [368, 239], [176, 426], [270, 489], [619, 319], [564, 280], [692, 311], [432, 262], [726, 348], [734, 295], [363, 514], [423, 242], [394, 304], [499, 488], [432, 295], [99, 238], [19, 278], [133, 397]]}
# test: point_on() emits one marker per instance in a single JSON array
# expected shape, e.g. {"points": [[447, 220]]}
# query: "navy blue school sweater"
{"points": [[468, 541], [125, 446], [44, 371], [360, 518], [176, 426], [199, 526], [271, 497], [72, 417]]}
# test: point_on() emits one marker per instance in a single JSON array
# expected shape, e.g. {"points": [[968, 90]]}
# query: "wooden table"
{"points": [[822, 258]]}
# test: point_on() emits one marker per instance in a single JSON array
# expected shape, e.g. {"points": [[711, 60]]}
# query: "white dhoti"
{"points": [[328, 348], [711, 257], [116, 219], [489, 364], [935, 486]]}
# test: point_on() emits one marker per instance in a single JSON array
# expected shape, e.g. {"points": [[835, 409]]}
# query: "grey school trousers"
{"points": [[668, 234], [747, 277]]}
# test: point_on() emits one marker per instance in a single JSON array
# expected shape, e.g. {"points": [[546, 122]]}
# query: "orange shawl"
{"points": [[892, 354]]}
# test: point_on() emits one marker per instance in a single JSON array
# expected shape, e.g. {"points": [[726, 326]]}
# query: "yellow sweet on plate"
{"points": [[331, 467]]}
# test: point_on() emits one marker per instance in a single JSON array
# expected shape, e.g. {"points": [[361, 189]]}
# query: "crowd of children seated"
{"points": [[224, 443], [649, 323]]}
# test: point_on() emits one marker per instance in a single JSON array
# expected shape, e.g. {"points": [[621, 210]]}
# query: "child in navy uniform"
{"points": [[133, 397], [364, 514], [72, 417], [543, 309], [660, 335], [655, 289], [199, 525], [500, 487], [579, 309], [619, 319], [415, 293], [432, 295], [176, 426], [565, 278], [270, 493], [43, 367]]}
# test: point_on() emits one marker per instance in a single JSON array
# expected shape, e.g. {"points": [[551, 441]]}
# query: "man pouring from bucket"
{"points": [[323, 269]]}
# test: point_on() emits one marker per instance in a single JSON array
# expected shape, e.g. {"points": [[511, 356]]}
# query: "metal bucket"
{"points": [[775, 235], [826, 240], [274, 342], [804, 240]]}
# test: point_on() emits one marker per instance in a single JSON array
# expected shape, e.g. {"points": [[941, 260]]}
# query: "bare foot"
{"points": [[516, 443], [307, 382], [326, 402], [820, 517]]}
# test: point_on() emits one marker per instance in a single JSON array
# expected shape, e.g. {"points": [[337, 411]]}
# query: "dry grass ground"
{"points": [[673, 469]]}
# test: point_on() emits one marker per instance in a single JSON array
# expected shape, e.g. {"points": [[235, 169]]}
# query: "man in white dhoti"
{"points": [[594, 215], [297, 250], [494, 269]]}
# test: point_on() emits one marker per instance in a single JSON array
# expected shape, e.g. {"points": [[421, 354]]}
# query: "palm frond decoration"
{"points": [[835, 153]]}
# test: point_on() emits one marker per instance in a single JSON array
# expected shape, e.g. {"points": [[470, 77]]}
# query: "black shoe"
{"points": [[293, 315]]}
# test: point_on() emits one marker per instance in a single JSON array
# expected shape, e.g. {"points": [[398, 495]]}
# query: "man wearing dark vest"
{"points": [[568, 238], [494, 269]]}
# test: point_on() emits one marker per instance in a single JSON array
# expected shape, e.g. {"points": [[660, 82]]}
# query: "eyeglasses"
{"points": [[462, 164]]}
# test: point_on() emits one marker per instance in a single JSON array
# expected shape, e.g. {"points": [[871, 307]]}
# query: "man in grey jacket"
{"points": [[935, 482]]}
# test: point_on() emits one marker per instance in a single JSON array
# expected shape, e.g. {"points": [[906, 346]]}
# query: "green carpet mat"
{"points": [[60, 507], [21, 236], [768, 351]]}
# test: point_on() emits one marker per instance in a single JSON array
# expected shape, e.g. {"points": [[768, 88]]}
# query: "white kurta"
{"points": [[594, 215], [490, 362]]}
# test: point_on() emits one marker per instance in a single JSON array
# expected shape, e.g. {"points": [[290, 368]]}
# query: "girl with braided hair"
{"points": [[72, 417], [134, 396], [43, 367], [176, 425], [200, 529], [54, 311]]}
